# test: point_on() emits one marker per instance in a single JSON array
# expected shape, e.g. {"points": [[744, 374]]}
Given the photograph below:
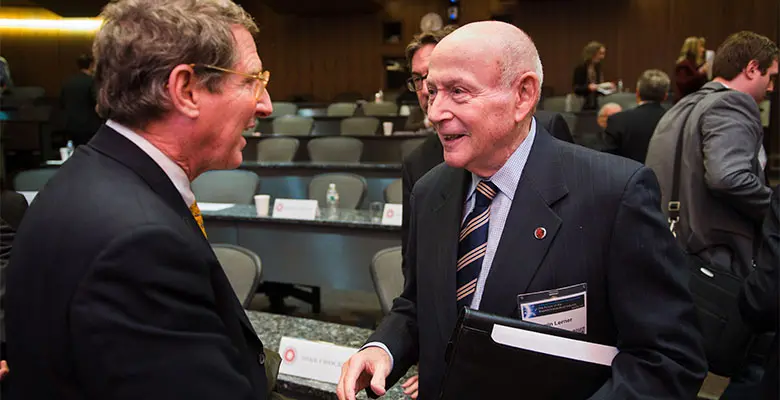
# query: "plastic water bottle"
{"points": [[620, 86], [379, 96], [332, 199], [71, 148]]}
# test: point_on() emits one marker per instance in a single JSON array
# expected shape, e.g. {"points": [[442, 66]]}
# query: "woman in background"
{"points": [[588, 75], [691, 71]]}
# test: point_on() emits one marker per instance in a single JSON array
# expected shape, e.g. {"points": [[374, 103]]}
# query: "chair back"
{"points": [[335, 149], [33, 180], [351, 188], [282, 108], [359, 126], [292, 125], [409, 145], [555, 103], [277, 149], [387, 276], [394, 192], [383, 109], [228, 186], [341, 109], [243, 269]]}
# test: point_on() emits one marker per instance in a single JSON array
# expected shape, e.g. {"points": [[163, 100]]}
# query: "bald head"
{"points": [[511, 49]]}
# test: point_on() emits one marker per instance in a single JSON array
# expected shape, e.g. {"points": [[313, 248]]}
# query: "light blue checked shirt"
{"points": [[506, 179]]}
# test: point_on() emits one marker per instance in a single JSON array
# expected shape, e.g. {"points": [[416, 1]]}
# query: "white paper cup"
{"points": [[64, 153], [261, 204], [387, 127]]}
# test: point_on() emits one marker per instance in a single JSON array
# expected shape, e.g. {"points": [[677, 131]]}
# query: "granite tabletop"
{"points": [[271, 327], [344, 218]]}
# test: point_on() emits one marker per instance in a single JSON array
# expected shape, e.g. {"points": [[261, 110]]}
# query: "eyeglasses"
{"points": [[260, 80], [415, 83]]}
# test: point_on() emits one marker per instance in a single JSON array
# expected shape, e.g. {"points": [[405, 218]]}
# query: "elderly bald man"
{"points": [[513, 211]]}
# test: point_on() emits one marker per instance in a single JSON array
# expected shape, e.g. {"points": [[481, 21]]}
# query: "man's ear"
{"points": [[526, 95], [182, 91], [752, 70]]}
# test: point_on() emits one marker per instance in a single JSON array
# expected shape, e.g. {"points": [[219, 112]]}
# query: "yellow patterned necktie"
{"points": [[198, 218]]}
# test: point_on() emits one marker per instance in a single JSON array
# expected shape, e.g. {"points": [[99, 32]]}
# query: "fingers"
{"points": [[378, 380], [410, 381], [410, 386], [4, 370]]}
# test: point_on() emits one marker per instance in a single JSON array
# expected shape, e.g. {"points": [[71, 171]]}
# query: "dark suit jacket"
{"points": [[12, 208], [580, 86], [604, 228], [114, 293], [628, 132], [758, 301], [431, 153], [78, 99]]}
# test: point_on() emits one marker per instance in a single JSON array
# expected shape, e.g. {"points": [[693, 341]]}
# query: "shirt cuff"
{"points": [[383, 347]]}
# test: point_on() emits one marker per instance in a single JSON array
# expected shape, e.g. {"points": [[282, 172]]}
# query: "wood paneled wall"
{"points": [[323, 56], [638, 34]]}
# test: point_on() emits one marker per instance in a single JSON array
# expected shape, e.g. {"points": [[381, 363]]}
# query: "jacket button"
{"points": [[261, 358]]}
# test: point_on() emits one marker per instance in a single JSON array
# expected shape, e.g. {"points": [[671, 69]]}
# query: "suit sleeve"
{"points": [[146, 324], [661, 355], [758, 300], [612, 136], [398, 330], [729, 146], [580, 81]]}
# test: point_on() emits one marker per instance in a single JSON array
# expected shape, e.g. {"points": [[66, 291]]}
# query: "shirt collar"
{"points": [[508, 177], [174, 172]]}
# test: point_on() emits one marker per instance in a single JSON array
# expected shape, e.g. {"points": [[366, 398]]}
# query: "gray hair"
{"points": [[516, 54], [653, 85], [609, 106], [142, 41]]}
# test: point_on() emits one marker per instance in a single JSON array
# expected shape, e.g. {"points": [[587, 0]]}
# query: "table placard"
{"points": [[313, 360], [214, 206], [295, 209], [392, 214]]}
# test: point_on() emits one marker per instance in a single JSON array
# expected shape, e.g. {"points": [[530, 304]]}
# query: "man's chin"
{"points": [[454, 160]]}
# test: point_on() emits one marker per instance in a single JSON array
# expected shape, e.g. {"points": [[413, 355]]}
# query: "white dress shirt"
{"points": [[174, 172], [506, 179]]}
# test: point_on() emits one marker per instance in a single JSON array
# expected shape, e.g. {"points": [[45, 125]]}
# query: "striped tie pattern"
{"points": [[472, 244], [195, 210]]}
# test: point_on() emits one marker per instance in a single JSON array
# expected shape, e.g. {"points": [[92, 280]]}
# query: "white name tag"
{"points": [[392, 214], [295, 209], [565, 308], [313, 360]]}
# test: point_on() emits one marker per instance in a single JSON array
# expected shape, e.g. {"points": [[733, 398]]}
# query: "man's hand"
{"points": [[369, 366], [410, 386], [3, 369]]}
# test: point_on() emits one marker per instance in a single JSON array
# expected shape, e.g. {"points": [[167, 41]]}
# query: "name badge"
{"points": [[313, 360], [564, 308], [392, 214], [295, 209]]}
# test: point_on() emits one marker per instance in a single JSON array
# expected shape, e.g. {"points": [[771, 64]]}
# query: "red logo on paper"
{"points": [[279, 207], [289, 355], [390, 213]]}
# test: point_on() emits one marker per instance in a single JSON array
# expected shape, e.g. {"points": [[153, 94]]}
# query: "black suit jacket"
{"points": [[78, 99], [628, 132], [604, 228], [114, 293], [758, 301], [431, 153], [12, 208], [580, 85]]}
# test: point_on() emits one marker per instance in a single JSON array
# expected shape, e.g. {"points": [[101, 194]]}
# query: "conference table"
{"points": [[334, 253], [376, 148], [309, 169]]}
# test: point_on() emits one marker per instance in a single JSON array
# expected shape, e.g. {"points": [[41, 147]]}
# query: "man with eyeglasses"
{"points": [[113, 289]]}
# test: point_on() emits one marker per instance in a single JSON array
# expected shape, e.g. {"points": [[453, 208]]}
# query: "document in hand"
{"points": [[495, 357]]}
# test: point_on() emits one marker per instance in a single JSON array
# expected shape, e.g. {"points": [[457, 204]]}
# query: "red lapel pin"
{"points": [[540, 233]]}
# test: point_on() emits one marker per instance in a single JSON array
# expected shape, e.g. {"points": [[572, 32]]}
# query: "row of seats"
{"points": [[302, 126], [573, 103], [239, 186], [324, 149], [382, 109]]}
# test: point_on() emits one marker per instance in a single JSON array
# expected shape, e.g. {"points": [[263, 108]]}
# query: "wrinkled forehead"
{"points": [[448, 62]]}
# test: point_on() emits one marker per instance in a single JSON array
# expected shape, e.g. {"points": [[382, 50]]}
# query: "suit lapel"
{"points": [[447, 211], [520, 253]]}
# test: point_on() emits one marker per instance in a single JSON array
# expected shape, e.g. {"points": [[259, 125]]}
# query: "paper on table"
{"points": [[54, 162], [606, 88], [214, 206], [554, 345]]}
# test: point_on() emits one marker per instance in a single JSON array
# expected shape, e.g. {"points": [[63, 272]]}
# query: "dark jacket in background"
{"points": [[78, 99], [580, 85], [758, 301], [628, 132], [12, 208], [687, 79]]}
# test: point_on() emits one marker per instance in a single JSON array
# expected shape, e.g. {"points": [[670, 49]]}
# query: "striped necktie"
{"points": [[473, 243], [195, 210]]}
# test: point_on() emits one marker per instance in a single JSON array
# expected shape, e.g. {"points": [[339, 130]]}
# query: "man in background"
{"points": [[78, 99], [628, 133], [606, 111], [113, 289]]}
